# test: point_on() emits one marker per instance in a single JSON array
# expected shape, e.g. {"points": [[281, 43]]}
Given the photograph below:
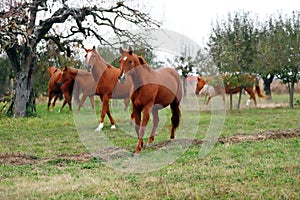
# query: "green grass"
{"points": [[268, 169]]}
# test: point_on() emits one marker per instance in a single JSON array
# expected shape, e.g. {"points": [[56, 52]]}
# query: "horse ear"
{"points": [[130, 51], [121, 50], [94, 48], [142, 60]]}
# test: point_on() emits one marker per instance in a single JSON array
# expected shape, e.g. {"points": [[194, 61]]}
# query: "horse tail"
{"points": [[257, 88], [175, 106], [60, 96], [176, 113]]}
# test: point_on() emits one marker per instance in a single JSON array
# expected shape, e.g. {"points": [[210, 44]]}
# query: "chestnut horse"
{"points": [[153, 90], [108, 86], [247, 83], [56, 90], [82, 79]]}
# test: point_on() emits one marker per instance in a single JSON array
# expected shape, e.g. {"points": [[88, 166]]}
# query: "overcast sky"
{"points": [[193, 18]]}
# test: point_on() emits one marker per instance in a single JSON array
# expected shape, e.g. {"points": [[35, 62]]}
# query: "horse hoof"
{"points": [[149, 145], [98, 129], [113, 127], [136, 155]]}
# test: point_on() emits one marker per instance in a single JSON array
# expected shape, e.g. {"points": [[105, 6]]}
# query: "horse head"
{"points": [[200, 84], [90, 58], [128, 61], [65, 76]]}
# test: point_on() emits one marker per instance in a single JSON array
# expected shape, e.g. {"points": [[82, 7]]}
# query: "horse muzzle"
{"points": [[89, 68], [122, 78], [59, 83]]}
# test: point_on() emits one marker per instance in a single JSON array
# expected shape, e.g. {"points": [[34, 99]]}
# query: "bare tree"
{"points": [[24, 24]]}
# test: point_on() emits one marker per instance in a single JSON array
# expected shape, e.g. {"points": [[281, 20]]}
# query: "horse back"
{"points": [[109, 84], [170, 86]]}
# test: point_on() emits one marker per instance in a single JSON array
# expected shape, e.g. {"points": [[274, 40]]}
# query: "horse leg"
{"points": [[92, 100], [175, 119], [83, 98], [62, 107], [126, 103], [111, 119], [209, 97], [223, 94], [214, 95], [155, 124], [102, 115], [252, 95], [136, 116], [67, 100], [145, 120], [49, 100], [54, 101], [105, 110]]}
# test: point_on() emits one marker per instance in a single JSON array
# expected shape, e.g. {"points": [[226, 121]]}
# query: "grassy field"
{"points": [[51, 156]]}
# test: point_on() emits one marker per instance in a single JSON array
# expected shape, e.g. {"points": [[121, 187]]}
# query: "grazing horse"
{"points": [[245, 82], [84, 80], [153, 90], [108, 86], [56, 90]]}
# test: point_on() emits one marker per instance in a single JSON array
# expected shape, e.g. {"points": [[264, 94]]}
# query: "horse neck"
{"points": [[143, 75], [80, 75], [100, 65]]}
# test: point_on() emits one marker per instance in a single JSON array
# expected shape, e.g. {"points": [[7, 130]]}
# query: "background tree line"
{"points": [[241, 44]]}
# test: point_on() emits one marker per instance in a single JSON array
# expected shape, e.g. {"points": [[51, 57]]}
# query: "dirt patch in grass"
{"points": [[272, 134], [23, 159]]}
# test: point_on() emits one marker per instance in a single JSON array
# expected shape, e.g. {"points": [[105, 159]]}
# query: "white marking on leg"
{"points": [[248, 102], [99, 128], [113, 127]]}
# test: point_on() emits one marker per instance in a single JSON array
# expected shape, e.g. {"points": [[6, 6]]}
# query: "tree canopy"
{"points": [[241, 44], [26, 24]]}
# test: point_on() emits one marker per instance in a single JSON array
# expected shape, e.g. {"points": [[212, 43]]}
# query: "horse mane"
{"points": [[109, 65], [52, 70], [102, 59], [144, 63], [78, 71]]}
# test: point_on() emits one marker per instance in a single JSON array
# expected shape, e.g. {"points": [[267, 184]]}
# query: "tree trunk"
{"points": [[24, 102], [184, 86], [267, 86], [230, 101], [240, 98], [291, 86]]}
